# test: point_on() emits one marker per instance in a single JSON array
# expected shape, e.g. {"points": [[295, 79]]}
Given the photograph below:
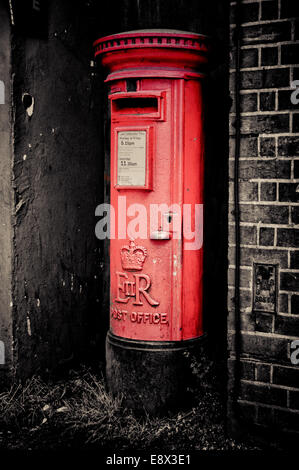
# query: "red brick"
{"points": [[289, 192], [248, 235], [264, 169], [289, 147], [287, 325], [295, 214], [296, 122], [246, 320], [266, 236], [289, 281], [284, 100], [288, 237], [294, 259], [289, 9], [248, 191], [245, 277], [248, 146], [287, 420], [263, 322], [248, 12], [248, 102], [264, 347], [264, 256], [269, 10], [263, 33], [288, 376], [245, 299], [266, 214], [295, 304], [247, 370], [263, 373], [267, 101], [265, 415], [294, 396], [268, 191], [248, 58], [269, 56], [272, 78], [267, 147], [283, 303], [289, 53], [263, 394], [246, 411], [265, 123]]}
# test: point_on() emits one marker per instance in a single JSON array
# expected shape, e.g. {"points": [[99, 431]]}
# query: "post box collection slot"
{"points": [[138, 105]]}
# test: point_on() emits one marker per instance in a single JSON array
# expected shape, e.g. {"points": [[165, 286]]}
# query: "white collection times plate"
{"points": [[131, 158]]}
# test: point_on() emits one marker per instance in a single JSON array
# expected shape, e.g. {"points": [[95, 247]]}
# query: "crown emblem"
{"points": [[132, 256]]}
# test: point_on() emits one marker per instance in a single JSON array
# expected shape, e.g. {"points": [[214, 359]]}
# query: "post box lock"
{"points": [[160, 235]]}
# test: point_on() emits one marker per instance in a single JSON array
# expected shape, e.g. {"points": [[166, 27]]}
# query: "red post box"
{"points": [[156, 254]]}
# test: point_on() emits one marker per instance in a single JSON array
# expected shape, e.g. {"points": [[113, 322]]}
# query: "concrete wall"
{"points": [[264, 381], [5, 199]]}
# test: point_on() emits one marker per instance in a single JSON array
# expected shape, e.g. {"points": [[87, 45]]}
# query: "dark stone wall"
{"points": [[57, 170], [5, 199]]}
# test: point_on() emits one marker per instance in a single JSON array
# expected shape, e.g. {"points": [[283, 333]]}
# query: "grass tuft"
{"points": [[78, 412]]}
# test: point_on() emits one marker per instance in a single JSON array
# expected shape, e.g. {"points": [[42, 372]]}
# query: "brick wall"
{"points": [[263, 382]]}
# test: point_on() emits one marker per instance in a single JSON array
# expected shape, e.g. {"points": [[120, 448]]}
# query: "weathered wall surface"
{"points": [[5, 198], [57, 185], [264, 382]]}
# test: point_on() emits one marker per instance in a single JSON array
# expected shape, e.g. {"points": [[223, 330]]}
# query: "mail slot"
{"points": [[154, 80], [133, 106]]}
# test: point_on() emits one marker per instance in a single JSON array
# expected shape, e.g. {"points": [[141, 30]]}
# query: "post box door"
{"points": [[144, 268]]}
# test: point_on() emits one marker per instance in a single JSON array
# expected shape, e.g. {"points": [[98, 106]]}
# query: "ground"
{"points": [[76, 412]]}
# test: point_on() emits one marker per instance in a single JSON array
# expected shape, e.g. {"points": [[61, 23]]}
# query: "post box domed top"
{"points": [[144, 38], [150, 47]]}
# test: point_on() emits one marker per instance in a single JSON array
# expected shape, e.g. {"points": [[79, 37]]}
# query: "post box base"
{"points": [[152, 377]]}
